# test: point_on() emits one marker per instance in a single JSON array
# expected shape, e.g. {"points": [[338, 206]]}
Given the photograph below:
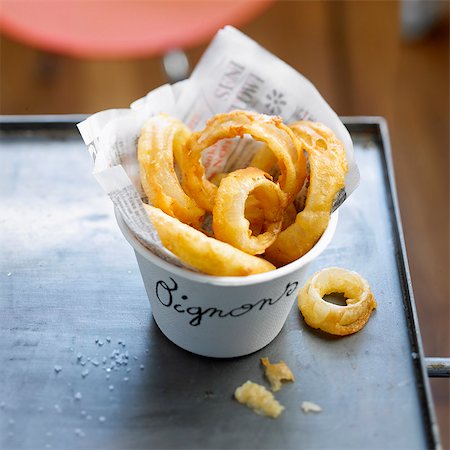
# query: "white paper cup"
{"points": [[221, 316]]}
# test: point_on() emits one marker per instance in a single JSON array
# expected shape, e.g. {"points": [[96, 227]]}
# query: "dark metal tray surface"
{"points": [[83, 365]]}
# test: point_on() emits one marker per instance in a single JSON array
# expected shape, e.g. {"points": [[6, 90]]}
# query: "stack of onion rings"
{"points": [[251, 213], [269, 129]]}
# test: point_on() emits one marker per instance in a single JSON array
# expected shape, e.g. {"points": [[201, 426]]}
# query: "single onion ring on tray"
{"points": [[229, 222], [268, 129], [162, 139], [204, 253], [331, 318], [327, 169]]}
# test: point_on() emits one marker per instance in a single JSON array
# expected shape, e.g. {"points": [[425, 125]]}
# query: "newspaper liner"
{"points": [[234, 73]]}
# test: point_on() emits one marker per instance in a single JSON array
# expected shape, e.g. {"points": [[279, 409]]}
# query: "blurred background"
{"points": [[365, 57]]}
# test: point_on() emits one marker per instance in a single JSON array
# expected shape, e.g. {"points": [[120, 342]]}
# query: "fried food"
{"points": [[327, 166], [259, 399], [229, 222], [263, 159], [331, 318], [279, 138], [161, 138], [204, 253], [276, 373]]}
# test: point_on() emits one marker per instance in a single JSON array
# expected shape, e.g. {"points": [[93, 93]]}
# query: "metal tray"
{"points": [[83, 365]]}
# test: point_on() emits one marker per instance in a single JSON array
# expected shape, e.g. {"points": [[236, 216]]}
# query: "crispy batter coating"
{"points": [[163, 138], [328, 166], [276, 373], [259, 399], [206, 254], [229, 221], [331, 318], [269, 129]]}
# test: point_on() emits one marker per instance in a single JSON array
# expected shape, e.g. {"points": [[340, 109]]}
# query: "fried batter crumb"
{"points": [[276, 373], [310, 407], [259, 399]]}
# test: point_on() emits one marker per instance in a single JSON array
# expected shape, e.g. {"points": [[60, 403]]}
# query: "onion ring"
{"points": [[263, 159], [270, 130], [331, 318], [229, 222], [328, 166], [163, 137], [206, 254]]}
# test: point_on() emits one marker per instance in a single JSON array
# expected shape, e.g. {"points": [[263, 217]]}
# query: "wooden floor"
{"points": [[353, 53]]}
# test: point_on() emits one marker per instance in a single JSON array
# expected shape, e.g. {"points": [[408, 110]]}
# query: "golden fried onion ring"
{"points": [[270, 130], [163, 137], [336, 319], [206, 254], [229, 222], [263, 159], [327, 166]]}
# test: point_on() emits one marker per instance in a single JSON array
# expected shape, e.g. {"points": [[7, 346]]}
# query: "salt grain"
{"points": [[85, 373], [102, 419], [78, 396], [125, 378], [80, 432], [108, 339], [57, 368], [311, 407]]}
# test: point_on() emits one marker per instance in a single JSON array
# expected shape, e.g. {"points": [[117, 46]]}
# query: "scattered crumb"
{"points": [[310, 407], [80, 432], [259, 399], [276, 373]]}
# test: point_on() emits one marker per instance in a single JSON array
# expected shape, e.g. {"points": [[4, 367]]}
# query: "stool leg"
{"points": [[175, 65]]}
